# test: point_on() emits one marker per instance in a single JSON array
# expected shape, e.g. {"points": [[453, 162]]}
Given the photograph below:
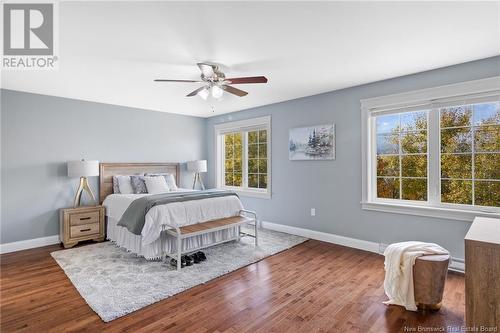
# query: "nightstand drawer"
{"points": [[84, 218], [84, 230]]}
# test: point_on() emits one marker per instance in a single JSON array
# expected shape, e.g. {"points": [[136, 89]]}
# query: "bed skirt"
{"points": [[165, 243]]}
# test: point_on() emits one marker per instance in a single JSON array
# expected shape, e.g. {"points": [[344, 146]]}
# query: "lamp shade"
{"points": [[197, 166], [83, 168]]}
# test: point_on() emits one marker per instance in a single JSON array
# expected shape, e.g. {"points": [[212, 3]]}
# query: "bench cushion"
{"points": [[221, 223]]}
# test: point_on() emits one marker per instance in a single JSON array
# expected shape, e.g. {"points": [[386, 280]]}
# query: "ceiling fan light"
{"points": [[217, 92], [203, 93]]}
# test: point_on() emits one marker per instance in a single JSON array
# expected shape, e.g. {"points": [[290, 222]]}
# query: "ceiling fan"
{"points": [[216, 82]]}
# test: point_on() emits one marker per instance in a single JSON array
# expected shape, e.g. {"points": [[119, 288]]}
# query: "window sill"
{"points": [[437, 212], [250, 193]]}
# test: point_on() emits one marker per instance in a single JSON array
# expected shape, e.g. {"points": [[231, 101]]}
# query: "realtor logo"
{"points": [[28, 36]]}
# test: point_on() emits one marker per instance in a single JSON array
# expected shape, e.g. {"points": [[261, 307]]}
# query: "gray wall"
{"points": [[334, 187], [40, 133]]}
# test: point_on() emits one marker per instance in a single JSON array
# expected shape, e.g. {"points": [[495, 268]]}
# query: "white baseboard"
{"points": [[457, 264], [29, 244], [324, 236]]}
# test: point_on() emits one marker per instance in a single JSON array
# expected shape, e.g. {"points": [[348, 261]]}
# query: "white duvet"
{"points": [[162, 217]]}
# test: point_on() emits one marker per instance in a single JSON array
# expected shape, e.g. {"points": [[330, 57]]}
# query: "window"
{"points": [[434, 152], [243, 156], [402, 156], [470, 154]]}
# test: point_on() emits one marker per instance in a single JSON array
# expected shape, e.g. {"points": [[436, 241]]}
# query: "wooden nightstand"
{"points": [[81, 223]]}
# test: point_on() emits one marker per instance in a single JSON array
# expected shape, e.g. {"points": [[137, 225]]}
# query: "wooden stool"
{"points": [[429, 276]]}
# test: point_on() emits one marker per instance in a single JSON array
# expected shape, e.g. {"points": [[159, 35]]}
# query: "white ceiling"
{"points": [[110, 52]]}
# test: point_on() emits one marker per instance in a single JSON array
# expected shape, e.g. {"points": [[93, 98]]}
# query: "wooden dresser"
{"points": [[482, 274], [81, 223]]}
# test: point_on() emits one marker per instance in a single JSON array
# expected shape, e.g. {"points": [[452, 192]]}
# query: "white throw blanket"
{"points": [[399, 261]]}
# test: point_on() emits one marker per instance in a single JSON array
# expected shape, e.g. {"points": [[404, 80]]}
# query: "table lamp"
{"points": [[197, 167], [83, 169]]}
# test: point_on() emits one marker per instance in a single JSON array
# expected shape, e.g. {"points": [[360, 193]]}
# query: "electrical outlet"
{"points": [[313, 211]]}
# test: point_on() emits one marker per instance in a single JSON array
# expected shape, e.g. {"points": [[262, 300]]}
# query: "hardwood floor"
{"points": [[313, 287]]}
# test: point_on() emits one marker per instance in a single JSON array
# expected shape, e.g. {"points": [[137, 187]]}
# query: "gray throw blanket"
{"points": [[135, 216]]}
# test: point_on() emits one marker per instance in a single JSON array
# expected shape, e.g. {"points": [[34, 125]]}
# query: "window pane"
{"points": [[253, 165], [253, 137], [237, 166], [487, 166], [263, 136], [414, 166], [414, 189], [229, 151], [487, 193], [387, 144], [487, 138], [253, 180], [229, 179], [237, 179], [388, 124], [456, 166], [457, 140], [456, 191], [263, 150], [262, 165], [412, 121], [456, 116], [228, 139], [229, 165], [414, 142], [388, 188], [238, 138], [487, 113], [238, 151], [262, 181], [388, 166], [253, 151]]}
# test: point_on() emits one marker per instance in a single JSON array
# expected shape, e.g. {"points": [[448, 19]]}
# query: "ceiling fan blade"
{"points": [[248, 79], [166, 80], [194, 93], [206, 69], [234, 91]]}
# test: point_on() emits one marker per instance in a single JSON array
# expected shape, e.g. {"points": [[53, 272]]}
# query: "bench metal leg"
{"points": [[256, 224], [179, 252], [256, 232]]}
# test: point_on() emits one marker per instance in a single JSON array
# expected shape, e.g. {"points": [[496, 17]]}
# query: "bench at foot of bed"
{"points": [[181, 233]]}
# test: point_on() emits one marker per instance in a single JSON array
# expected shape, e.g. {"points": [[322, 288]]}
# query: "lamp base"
{"points": [[84, 186], [197, 178]]}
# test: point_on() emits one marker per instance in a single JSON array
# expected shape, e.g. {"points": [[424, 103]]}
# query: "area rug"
{"points": [[115, 282]]}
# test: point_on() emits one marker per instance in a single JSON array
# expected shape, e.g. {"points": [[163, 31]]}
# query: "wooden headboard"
{"points": [[108, 170]]}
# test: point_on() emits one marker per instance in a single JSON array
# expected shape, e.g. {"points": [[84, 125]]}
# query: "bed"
{"points": [[153, 241]]}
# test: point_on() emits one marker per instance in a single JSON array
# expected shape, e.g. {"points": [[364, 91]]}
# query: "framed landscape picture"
{"points": [[312, 143]]}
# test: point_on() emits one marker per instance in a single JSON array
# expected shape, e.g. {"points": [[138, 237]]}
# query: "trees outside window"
{"points": [[469, 155]]}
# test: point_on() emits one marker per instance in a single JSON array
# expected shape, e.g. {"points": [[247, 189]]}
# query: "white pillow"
{"points": [[172, 186], [171, 182], [156, 185], [125, 185]]}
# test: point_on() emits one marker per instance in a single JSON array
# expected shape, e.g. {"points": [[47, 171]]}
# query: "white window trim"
{"points": [[460, 93], [243, 125]]}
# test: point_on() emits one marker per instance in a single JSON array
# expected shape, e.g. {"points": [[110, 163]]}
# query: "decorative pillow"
{"points": [[124, 184], [169, 178], [116, 187], [156, 184], [138, 184]]}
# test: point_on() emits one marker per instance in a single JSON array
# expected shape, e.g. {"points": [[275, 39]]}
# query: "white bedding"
{"points": [[152, 240]]}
